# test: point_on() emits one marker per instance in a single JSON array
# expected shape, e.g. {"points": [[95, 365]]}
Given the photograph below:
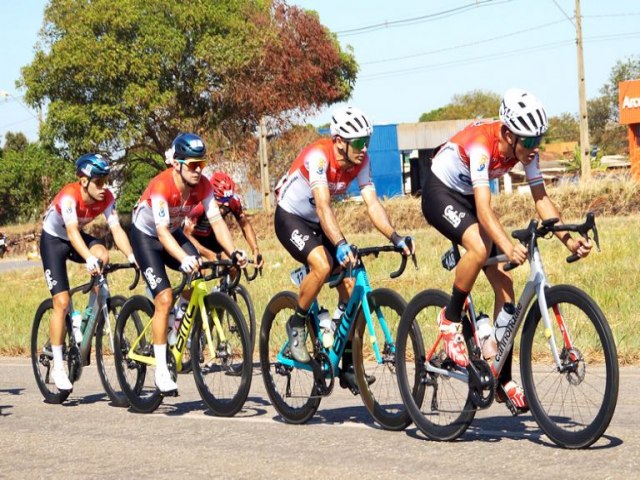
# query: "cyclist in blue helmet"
{"points": [[159, 241], [63, 238]]}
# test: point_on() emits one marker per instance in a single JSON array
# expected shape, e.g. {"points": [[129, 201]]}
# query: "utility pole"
{"points": [[264, 166], [585, 153]]}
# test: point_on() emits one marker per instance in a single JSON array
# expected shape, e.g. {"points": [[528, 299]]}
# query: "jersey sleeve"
{"points": [[210, 207], [532, 172], [195, 213], [316, 164], [235, 204], [364, 177], [68, 209], [110, 213], [479, 161]]}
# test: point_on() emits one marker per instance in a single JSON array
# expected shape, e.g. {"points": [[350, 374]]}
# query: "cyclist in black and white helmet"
{"points": [[456, 200], [307, 227]]}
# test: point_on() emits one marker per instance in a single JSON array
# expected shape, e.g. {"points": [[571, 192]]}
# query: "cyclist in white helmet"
{"points": [[456, 200], [307, 227]]}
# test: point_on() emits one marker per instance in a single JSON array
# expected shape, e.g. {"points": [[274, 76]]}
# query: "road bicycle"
{"points": [[100, 323], [568, 359], [296, 389], [219, 342], [241, 296]]}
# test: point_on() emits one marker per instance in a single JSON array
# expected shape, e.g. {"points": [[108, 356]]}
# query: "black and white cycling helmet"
{"points": [[523, 114], [350, 122]]}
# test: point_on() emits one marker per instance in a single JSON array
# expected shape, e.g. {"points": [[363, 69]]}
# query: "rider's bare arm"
{"points": [[202, 250], [328, 220], [223, 236], [547, 209], [73, 232], [121, 239], [169, 243], [488, 219], [249, 234], [376, 212]]}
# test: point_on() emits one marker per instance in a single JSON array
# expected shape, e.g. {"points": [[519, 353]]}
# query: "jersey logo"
{"points": [[50, 281], [152, 279], [483, 163], [321, 166], [452, 216], [298, 239]]}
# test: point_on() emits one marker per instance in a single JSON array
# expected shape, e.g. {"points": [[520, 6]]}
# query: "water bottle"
{"points": [[326, 327], [172, 336], [485, 335], [85, 318], [76, 325], [502, 320], [338, 313]]}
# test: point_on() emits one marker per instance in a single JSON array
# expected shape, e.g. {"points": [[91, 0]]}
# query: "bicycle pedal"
{"points": [[171, 393]]}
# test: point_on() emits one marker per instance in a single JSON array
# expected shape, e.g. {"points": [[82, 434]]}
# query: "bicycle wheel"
{"points": [[42, 356], [444, 410], [136, 378], [573, 405], [241, 296], [291, 390], [222, 373], [105, 359], [382, 398]]}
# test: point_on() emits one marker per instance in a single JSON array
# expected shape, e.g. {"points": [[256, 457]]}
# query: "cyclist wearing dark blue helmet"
{"points": [[76, 205], [159, 241]]}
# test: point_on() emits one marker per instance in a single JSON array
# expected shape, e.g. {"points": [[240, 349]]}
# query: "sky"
{"points": [[415, 55]]}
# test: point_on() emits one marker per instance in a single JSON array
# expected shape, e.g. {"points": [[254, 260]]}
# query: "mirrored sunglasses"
{"points": [[359, 143], [531, 142], [193, 164]]}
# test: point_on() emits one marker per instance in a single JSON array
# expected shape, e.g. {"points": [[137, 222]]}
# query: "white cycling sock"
{"points": [[160, 352], [58, 361]]}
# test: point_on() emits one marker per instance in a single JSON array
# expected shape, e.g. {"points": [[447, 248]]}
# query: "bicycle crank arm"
{"points": [[464, 377]]}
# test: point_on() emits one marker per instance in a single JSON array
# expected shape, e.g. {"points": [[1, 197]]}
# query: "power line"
{"points": [[499, 55], [565, 13], [464, 45], [419, 19]]}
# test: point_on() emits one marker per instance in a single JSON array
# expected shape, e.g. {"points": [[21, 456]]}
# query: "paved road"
{"points": [[8, 265], [86, 437]]}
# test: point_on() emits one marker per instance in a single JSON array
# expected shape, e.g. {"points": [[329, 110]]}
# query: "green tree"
{"points": [[623, 70], [128, 75], [16, 141], [29, 179], [470, 105], [563, 128]]}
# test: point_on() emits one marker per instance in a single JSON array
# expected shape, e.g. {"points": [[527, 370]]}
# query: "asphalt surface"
{"points": [[9, 265], [87, 438]]}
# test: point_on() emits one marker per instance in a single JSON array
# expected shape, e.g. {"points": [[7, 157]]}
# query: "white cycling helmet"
{"points": [[350, 122], [523, 114]]}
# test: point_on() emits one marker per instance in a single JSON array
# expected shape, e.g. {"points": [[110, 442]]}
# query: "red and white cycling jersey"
{"points": [[68, 208], [162, 204], [200, 222], [471, 157], [316, 166]]}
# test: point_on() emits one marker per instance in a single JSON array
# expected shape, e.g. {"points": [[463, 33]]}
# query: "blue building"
{"points": [[386, 162]]}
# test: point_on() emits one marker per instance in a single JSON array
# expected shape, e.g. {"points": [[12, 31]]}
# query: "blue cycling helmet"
{"points": [[92, 165], [188, 145]]}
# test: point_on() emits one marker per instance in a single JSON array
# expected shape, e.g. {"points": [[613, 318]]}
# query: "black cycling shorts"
{"points": [[152, 257], [299, 236], [448, 211], [55, 252]]}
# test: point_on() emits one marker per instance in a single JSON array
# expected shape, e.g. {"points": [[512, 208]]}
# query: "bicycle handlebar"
{"points": [[187, 278], [375, 251], [256, 270], [110, 268], [527, 236]]}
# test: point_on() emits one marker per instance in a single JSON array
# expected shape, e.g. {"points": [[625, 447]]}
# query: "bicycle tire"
{"points": [[549, 391], [382, 398], [223, 377], [248, 311], [290, 390], [105, 358], [444, 411], [136, 381], [41, 358]]}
